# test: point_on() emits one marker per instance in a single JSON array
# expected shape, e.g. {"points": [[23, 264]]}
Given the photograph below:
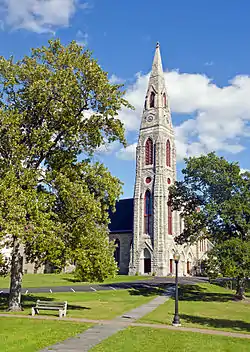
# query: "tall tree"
{"points": [[222, 193], [56, 108]]}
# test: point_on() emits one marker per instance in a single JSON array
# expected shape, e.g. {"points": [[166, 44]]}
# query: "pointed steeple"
{"points": [[157, 64], [154, 228], [156, 107]]}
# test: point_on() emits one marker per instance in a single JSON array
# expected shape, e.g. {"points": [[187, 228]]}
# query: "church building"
{"points": [[144, 227]]}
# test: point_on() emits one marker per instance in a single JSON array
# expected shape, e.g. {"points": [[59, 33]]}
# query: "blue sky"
{"points": [[205, 49]]}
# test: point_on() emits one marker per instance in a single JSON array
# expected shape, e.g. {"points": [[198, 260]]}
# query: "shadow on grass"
{"points": [[230, 283], [29, 301], [73, 279], [238, 325], [197, 293], [151, 290]]}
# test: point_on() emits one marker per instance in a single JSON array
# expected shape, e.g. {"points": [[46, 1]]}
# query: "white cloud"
{"points": [[82, 38], [39, 15], [127, 153], [108, 148], [244, 170], [116, 80], [216, 117], [209, 63]]}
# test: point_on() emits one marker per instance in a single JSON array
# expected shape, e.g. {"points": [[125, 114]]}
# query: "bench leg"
{"points": [[34, 311], [60, 313]]}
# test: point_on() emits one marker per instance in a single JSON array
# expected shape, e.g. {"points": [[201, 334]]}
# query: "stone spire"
{"points": [[157, 64], [156, 107], [154, 224]]}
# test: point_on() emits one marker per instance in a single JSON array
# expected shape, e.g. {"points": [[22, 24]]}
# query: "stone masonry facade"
{"points": [[154, 224]]}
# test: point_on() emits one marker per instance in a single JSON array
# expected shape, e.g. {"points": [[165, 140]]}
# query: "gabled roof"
{"points": [[122, 218]]}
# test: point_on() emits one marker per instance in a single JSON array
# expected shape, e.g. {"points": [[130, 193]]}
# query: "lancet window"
{"points": [[147, 212], [149, 152], [152, 100], [170, 219], [168, 154]]}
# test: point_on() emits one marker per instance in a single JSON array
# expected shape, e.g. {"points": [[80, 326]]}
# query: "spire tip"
{"points": [[157, 45]]}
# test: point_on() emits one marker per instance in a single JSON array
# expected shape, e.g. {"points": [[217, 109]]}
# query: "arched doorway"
{"points": [[147, 261]]}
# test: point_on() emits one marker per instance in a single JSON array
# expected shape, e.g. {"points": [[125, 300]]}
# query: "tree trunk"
{"points": [[240, 288], [16, 276]]}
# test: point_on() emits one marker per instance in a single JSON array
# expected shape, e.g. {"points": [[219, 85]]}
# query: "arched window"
{"points": [[170, 220], [164, 100], [152, 100], [117, 251], [168, 154], [147, 212], [149, 152]]}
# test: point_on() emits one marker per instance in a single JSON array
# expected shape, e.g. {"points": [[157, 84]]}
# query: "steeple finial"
{"points": [[157, 45]]}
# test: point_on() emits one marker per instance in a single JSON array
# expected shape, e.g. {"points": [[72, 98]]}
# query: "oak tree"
{"points": [[57, 107], [221, 192]]}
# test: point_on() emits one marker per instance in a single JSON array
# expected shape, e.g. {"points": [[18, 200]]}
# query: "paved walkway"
{"points": [[94, 335]]}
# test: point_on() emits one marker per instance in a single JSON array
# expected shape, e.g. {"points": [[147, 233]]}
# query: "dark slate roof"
{"points": [[122, 218]]}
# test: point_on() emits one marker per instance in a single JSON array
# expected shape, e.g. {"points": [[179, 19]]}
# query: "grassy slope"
{"points": [[91, 305], [137, 339], [205, 306], [52, 280], [26, 335]]}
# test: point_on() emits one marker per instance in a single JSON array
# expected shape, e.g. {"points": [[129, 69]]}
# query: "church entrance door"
{"points": [[147, 265], [147, 261]]}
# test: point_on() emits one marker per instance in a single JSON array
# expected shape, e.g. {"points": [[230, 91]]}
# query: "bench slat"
{"points": [[51, 304], [48, 308]]}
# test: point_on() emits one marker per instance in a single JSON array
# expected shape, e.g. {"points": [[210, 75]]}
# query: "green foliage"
{"points": [[56, 108], [232, 257], [4, 265], [222, 194]]}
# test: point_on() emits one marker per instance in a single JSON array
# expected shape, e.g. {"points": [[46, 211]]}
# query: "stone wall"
{"points": [[125, 240]]}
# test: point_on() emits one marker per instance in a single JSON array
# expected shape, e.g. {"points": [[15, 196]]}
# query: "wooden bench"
{"points": [[50, 305]]}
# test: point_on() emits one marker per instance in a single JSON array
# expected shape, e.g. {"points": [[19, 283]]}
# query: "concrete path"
{"points": [[94, 335]]}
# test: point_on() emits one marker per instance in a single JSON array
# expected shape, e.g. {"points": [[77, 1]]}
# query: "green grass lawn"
{"points": [[28, 335], [137, 339], [90, 305], [52, 280], [205, 306]]}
